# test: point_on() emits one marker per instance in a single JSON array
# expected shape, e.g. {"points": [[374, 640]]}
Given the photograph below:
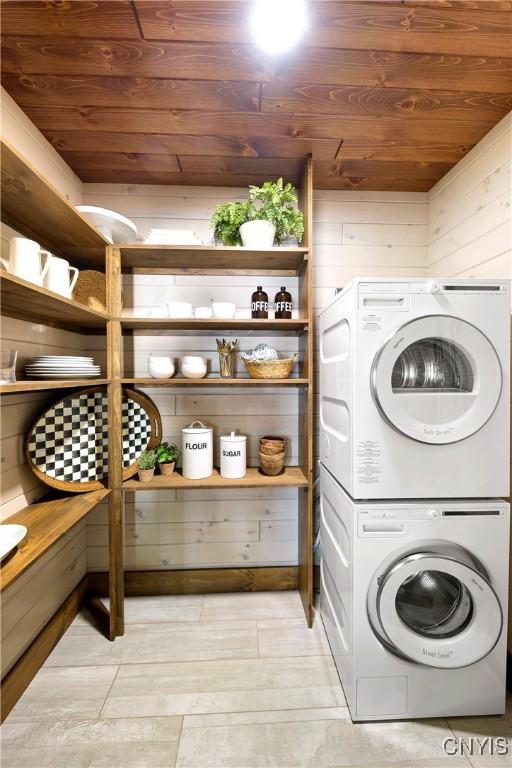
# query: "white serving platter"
{"points": [[10, 537], [115, 227]]}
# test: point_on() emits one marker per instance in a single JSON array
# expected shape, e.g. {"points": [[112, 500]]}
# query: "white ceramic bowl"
{"points": [[224, 309], [203, 312], [194, 367], [179, 309], [161, 367]]}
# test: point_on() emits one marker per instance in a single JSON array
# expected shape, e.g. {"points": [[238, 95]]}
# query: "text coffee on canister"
{"points": [[197, 449], [233, 461]]}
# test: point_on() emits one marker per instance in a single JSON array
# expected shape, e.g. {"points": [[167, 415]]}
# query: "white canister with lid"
{"points": [[233, 462], [197, 444]]}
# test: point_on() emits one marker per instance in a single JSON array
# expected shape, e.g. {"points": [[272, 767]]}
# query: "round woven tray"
{"points": [[270, 369]]}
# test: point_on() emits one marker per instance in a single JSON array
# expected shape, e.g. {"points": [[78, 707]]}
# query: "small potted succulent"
{"points": [[167, 454], [267, 216], [146, 466]]}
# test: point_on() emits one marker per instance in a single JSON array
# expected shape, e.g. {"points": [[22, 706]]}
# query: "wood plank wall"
{"points": [[373, 233], [470, 221]]}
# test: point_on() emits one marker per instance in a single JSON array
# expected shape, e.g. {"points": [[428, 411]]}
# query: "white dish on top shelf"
{"points": [[112, 225], [10, 537], [172, 237]]}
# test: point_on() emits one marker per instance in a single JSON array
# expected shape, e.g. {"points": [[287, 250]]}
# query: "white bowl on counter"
{"points": [[179, 309], [194, 367], [161, 367], [223, 310]]}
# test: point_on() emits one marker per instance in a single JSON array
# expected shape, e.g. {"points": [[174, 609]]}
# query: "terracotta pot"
{"points": [[146, 475], [167, 468]]}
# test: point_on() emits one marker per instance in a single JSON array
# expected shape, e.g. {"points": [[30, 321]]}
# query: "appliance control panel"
{"points": [[394, 521]]}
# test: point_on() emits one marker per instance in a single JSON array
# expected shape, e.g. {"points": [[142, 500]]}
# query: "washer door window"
{"points": [[437, 379], [438, 611]]}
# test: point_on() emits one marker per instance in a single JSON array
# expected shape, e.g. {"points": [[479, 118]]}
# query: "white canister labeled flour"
{"points": [[233, 456], [197, 444]]}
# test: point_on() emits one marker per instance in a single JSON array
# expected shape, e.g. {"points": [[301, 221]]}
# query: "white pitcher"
{"points": [[25, 260], [58, 276]]}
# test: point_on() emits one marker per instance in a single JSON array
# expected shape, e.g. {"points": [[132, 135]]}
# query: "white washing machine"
{"points": [[414, 384], [413, 597]]}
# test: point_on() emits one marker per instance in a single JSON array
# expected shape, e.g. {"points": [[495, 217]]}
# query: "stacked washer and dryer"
{"points": [[414, 450]]}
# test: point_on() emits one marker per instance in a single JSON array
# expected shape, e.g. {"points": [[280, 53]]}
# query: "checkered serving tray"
{"points": [[68, 446]]}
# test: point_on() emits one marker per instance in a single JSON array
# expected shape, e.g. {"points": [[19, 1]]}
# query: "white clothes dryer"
{"points": [[413, 597], [414, 388]]}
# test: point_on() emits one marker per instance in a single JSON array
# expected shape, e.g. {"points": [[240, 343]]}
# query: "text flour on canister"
{"points": [[197, 445]]}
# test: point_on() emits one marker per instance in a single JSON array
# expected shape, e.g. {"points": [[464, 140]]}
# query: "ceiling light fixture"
{"points": [[278, 25]]}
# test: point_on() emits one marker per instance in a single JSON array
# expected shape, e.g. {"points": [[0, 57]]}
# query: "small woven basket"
{"points": [[270, 369], [91, 290]]}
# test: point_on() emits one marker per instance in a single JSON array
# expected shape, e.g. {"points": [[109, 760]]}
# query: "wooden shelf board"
{"points": [[196, 324], [40, 385], [216, 381], [32, 206], [26, 301], [291, 477], [47, 522], [212, 259]]}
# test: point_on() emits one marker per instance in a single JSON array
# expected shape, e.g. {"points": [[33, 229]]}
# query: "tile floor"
{"points": [[214, 681]]}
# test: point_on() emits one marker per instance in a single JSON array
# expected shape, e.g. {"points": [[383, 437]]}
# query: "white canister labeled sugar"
{"points": [[233, 462], [197, 444]]}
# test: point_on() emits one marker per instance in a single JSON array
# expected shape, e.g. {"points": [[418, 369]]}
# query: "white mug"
{"points": [[25, 260], [57, 278]]}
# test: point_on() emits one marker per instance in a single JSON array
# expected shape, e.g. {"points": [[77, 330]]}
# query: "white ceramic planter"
{"points": [[258, 234]]}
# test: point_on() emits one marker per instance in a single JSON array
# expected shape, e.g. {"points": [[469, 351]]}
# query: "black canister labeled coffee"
{"points": [[283, 304], [259, 304]]}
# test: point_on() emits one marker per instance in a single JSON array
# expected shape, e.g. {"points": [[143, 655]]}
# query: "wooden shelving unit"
{"points": [[212, 259], [27, 301], [292, 477], [258, 327], [216, 381], [47, 522], [32, 206], [215, 260], [37, 210], [41, 385]]}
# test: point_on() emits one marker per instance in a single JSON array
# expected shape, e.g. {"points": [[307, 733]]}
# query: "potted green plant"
{"points": [[146, 466], [273, 217], [167, 454], [269, 214], [227, 220]]}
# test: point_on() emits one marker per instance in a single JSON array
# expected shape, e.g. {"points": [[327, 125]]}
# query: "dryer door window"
{"points": [[437, 379], [438, 611]]}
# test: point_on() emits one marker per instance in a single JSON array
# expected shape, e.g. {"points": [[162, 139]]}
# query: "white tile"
{"points": [[70, 692], [254, 605], [313, 744], [291, 637], [489, 737], [224, 686], [269, 716], [157, 642]]}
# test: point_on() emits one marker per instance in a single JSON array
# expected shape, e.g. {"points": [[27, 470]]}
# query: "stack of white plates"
{"points": [[62, 367]]}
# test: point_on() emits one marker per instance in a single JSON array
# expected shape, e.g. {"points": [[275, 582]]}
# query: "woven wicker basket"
{"points": [[270, 369], [91, 289]]}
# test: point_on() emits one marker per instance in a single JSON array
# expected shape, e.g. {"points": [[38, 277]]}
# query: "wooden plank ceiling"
{"points": [[386, 94]]}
